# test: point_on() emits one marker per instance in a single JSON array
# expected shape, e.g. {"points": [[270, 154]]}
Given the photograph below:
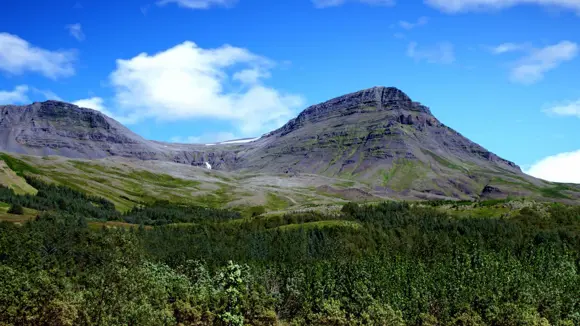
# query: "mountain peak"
{"points": [[390, 100], [384, 93], [380, 96]]}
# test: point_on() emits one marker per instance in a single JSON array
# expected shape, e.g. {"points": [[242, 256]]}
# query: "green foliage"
{"points": [[276, 202], [555, 192], [51, 197], [402, 264], [16, 209], [164, 212], [232, 283], [256, 211], [18, 166], [162, 179]]}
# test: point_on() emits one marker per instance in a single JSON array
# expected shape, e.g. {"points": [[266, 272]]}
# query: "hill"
{"points": [[371, 144]]}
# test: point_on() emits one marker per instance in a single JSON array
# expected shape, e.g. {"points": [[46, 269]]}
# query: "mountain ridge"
{"points": [[377, 136]]}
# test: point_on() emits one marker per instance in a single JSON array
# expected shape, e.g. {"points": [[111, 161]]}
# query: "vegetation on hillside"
{"points": [[392, 263]]}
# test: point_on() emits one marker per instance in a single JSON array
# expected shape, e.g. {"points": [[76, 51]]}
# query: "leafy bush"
{"points": [[16, 209], [402, 265]]}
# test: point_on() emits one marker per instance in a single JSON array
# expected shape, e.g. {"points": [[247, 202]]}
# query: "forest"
{"points": [[389, 263]]}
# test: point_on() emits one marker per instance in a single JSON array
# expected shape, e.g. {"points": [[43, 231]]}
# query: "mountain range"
{"points": [[373, 143]]}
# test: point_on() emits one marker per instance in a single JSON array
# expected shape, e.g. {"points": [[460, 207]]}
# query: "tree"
{"points": [[16, 209]]}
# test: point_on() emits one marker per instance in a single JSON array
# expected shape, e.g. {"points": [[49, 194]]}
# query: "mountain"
{"points": [[377, 137]]}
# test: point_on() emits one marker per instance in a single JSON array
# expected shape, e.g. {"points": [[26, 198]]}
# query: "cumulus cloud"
{"points": [[15, 96], [531, 68], [95, 103], [186, 82], [17, 56], [410, 25], [336, 3], [562, 167], [442, 53], [460, 6], [76, 31], [98, 104], [251, 76], [571, 108], [199, 4]]}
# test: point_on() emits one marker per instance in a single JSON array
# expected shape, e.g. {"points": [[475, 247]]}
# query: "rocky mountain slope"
{"points": [[377, 137]]}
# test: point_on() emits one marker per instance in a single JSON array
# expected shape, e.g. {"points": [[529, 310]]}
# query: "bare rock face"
{"points": [[58, 128], [367, 129], [377, 136]]}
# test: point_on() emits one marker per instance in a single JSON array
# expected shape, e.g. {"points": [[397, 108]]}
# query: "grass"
{"points": [[480, 212], [18, 166], [345, 184], [402, 174], [160, 179], [11, 180], [319, 225], [275, 202], [28, 215], [550, 192], [444, 162], [163, 180], [96, 225], [215, 199], [555, 192], [128, 188]]}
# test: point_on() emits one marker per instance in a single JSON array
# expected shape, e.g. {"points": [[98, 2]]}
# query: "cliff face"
{"points": [[378, 136], [58, 128]]}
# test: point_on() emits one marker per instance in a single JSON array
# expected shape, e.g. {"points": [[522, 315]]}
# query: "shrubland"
{"points": [[391, 263]]}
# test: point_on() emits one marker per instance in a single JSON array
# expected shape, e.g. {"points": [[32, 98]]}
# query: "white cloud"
{"points": [[49, 95], [18, 56], [97, 103], [565, 109], [558, 168], [460, 6], [187, 81], [409, 25], [205, 138], [251, 76], [442, 53], [76, 31], [509, 47], [335, 3], [532, 68], [18, 95], [198, 4]]}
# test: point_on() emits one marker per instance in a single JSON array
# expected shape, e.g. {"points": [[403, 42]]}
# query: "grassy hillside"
{"points": [[13, 178], [129, 183]]}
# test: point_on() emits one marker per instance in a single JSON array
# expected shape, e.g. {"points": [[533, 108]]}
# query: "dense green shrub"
{"points": [[16, 209], [388, 264]]}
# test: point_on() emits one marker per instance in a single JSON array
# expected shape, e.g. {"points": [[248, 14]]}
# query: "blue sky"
{"points": [[504, 73]]}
